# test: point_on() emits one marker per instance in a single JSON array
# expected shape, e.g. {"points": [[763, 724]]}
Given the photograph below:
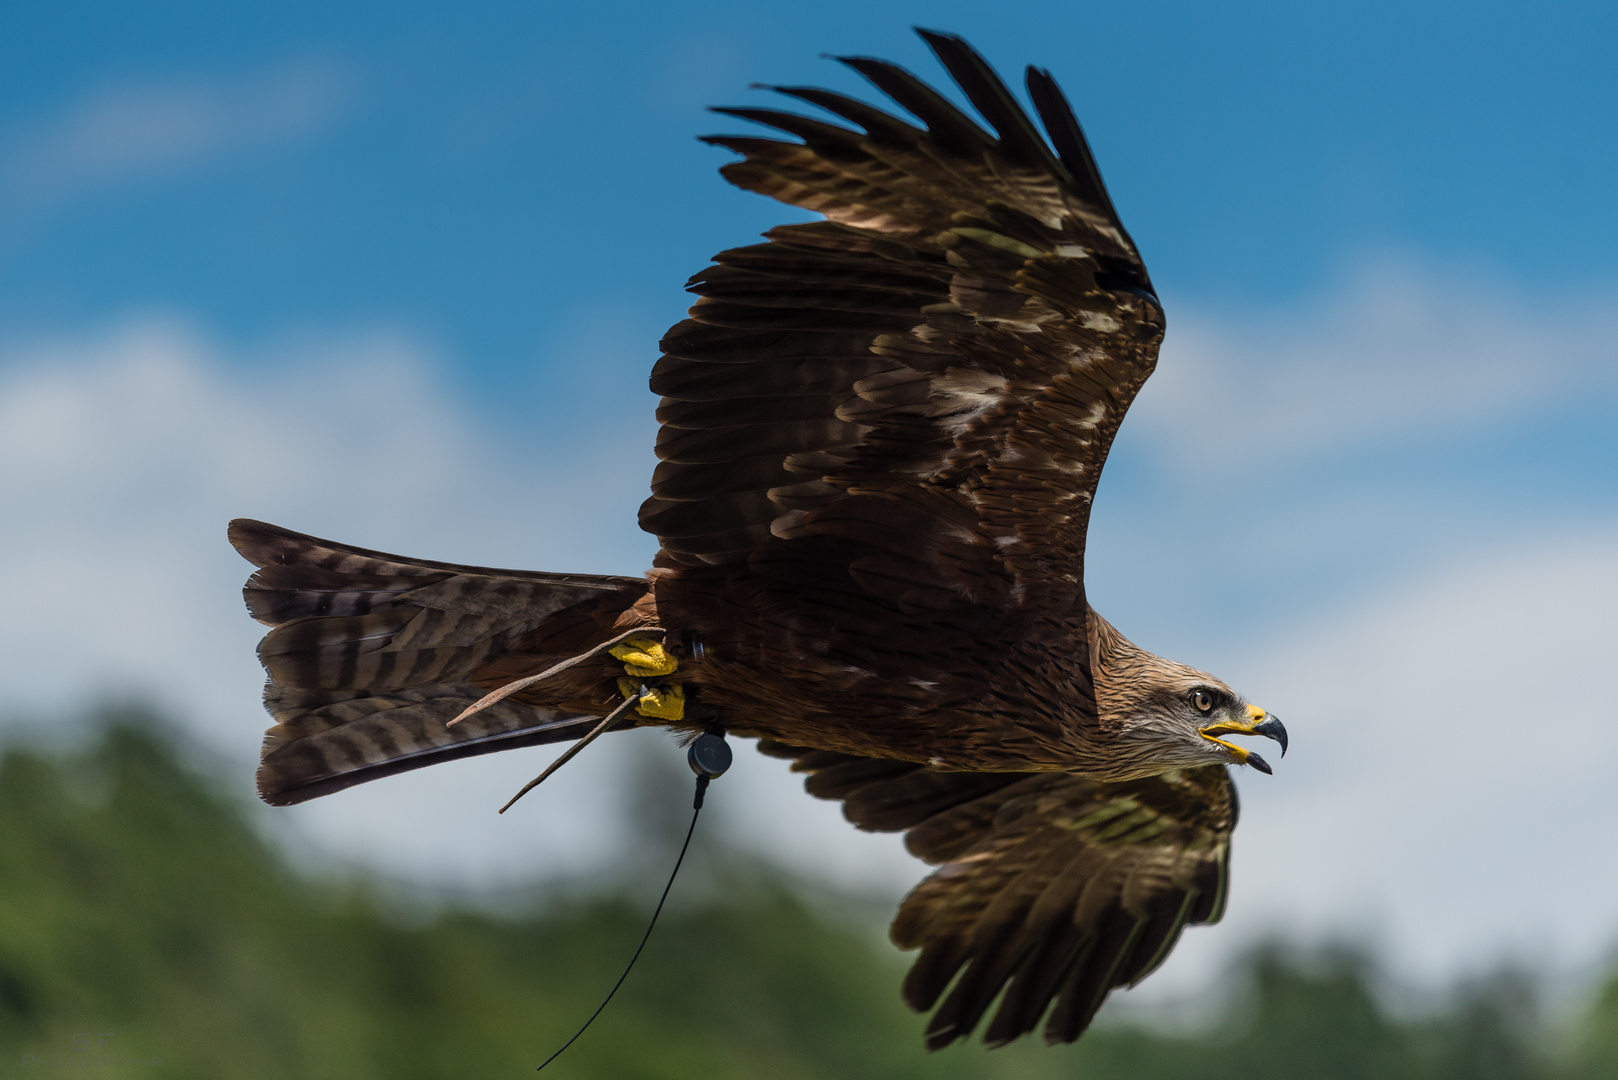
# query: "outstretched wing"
{"points": [[1050, 889], [931, 378], [372, 654]]}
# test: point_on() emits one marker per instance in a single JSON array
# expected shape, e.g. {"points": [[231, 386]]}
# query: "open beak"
{"points": [[1258, 722]]}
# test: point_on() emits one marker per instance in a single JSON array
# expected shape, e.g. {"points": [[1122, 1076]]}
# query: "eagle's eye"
{"points": [[1202, 700]]}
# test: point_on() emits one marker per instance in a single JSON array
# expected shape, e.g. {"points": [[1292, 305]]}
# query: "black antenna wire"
{"points": [[704, 763]]}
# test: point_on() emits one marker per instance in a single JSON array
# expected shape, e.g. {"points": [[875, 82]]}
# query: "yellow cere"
{"points": [[1256, 714]]}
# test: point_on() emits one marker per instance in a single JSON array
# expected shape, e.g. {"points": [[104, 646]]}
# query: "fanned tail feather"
{"points": [[371, 655]]}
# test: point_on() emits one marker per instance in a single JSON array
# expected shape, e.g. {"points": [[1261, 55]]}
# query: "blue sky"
{"points": [[496, 174], [396, 275]]}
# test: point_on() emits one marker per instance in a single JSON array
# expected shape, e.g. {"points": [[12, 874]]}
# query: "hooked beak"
{"points": [[1258, 722]]}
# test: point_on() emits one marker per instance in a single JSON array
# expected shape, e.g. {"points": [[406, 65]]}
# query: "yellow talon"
{"points": [[645, 658], [659, 703], [667, 703]]}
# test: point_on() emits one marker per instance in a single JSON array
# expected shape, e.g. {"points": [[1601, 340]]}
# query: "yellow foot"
{"points": [[659, 703], [644, 658]]}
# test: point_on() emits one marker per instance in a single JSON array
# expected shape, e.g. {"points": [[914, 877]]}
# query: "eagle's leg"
{"points": [[644, 658]]}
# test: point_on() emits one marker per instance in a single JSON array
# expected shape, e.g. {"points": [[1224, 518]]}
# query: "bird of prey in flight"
{"points": [[880, 437]]}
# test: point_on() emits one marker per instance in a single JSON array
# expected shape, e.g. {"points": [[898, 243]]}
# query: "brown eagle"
{"points": [[881, 435]]}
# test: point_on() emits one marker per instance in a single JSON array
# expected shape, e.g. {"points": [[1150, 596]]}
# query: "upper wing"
{"points": [[934, 374], [372, 654], [1051, 888]]}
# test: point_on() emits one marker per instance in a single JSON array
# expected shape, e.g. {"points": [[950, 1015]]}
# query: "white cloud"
{"points": [[1396, 353], [1449, 784], [146, 130], [1448, 796], [123, 455], [1289, 457]]}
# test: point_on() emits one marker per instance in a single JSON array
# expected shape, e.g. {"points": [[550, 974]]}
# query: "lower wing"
{"points": [[1051, 891]]}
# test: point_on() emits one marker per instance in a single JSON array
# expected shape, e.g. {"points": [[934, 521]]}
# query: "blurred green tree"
{"points": [[139, 908]]}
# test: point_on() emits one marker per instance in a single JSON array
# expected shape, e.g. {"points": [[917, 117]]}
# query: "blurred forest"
{"points": [[142, 920]]}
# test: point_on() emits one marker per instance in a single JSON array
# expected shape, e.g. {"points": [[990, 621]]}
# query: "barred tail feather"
{"points": [[370, 656]]}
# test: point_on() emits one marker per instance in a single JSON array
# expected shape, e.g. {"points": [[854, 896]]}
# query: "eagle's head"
{"points": [[1163, 715]]}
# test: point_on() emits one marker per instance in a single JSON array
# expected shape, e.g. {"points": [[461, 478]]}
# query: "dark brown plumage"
{"points": [[881, 436]]}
